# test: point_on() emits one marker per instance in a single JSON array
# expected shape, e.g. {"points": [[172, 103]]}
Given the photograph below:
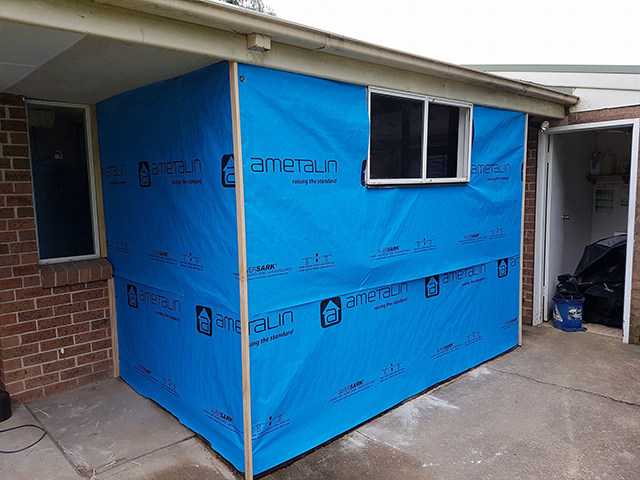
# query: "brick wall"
{"points": [[603, 115], [529, 238], [55, 331]]}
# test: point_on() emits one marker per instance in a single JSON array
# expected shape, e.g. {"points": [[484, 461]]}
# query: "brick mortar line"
{"points": [[566, 388]]}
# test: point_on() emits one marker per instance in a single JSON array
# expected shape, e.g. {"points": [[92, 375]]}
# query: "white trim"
{"points": [[463, 164], [91, 180], [634, 123], [540, 243]]}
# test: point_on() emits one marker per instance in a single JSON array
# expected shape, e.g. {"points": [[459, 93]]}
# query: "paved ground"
{"points": [[564, 406]]}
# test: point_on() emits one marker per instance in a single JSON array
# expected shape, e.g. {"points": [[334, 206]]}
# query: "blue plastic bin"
{"points": [[567, 314]]}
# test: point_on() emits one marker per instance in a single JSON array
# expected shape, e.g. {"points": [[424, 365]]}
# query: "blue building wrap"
{"points": [[358, 297]]}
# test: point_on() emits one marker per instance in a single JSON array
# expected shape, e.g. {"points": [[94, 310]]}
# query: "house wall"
{"points": [[55, 331], [603, 115]]}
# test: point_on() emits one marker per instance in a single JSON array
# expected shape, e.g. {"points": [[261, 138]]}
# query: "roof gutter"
{"points": [[233, 19]]}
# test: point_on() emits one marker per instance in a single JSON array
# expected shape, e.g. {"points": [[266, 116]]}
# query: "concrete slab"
{"points": [[42, 461], [187, 460], [593, 363], [106, 424], [494, 423]]}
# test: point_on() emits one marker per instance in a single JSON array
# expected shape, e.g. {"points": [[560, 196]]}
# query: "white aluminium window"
{"points": [[417, 139], [62, 176]]}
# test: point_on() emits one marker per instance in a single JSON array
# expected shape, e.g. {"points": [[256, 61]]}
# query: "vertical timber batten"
{"points": [[242, 263]]}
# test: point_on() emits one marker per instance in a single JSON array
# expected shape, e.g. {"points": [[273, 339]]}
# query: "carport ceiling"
{"points": [[50, 64]]}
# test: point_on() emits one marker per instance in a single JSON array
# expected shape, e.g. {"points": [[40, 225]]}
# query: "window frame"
{"points": [[86, 109], [464, 141]]}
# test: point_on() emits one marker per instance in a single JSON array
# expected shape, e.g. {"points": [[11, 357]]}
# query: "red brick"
{"points": [[42, 381], [75, 351], [9, 341], [29, 258], [26, 235], [73, 329], [7, 296], [10, 284], [21, 351], [14, 388], [11, 99], [17, 306], [15, 151], [13, 125], [75, 372], [53, 300], [95, 377], [18, 138], [31, 281], [69, 288], [18, 328], [22, 187], [35, 314], [101, 345], [59, 365], [101, 324], [88, 295], [6, 272], [39, 336], [28, 372], [57, 344], [61, 387], [8, 237], [71, 308], [93, 357], [54, 322], [21, 164], [100, 303], [17, 113], [19, 201], [28, 395], [73, 275], [6, 213], [48, 276], [90, 336], [103, 365], [40, 358], [25, 270], [61, 274], [13, 364], [9, 260], [86, 316], [8, 319], [17, 175], [32, 292], [25, 212]]}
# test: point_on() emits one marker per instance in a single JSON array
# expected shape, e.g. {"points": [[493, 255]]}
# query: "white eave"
{"points": [[214, 31]]}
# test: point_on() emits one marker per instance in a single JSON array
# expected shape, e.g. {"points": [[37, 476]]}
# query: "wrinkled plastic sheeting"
{"points": [[171, 236], [360, 298]]}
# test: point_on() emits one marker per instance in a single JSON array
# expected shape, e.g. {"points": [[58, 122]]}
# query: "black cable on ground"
{"points": [[44, 432]]}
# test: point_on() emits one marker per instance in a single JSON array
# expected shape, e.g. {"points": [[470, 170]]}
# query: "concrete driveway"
{"points": [[564, 406]]}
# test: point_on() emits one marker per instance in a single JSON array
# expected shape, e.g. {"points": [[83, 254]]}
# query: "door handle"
{"points": [[566, 217]]}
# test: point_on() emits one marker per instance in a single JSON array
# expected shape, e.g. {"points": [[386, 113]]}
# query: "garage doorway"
{"points": [[578, 204]]}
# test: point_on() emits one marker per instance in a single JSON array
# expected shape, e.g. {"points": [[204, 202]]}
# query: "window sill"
{"points": [[72, 273]]}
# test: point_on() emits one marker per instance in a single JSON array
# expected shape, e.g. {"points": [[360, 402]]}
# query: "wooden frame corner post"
{"points": [[242, 264]]}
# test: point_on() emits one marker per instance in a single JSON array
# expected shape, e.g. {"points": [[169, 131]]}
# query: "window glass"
{"points": [[442, 141], [59, 166], [397, 126]]}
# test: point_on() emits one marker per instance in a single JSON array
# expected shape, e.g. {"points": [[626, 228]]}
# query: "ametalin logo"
{"points": [[490, 168], [132, 296], [503, 267], [205, 320], [432, 286], [293, 165], [330, 312], [144, 176], [376, 294], [228, 171]]}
